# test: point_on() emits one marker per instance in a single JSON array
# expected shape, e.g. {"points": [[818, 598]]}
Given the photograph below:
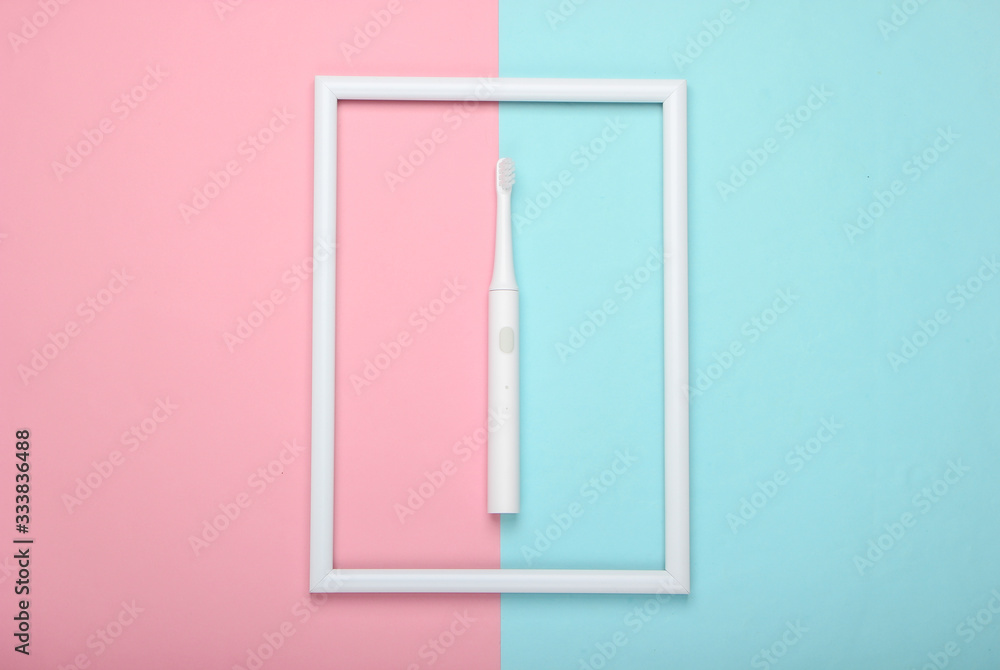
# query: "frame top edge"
{"points": [[526, 89]]}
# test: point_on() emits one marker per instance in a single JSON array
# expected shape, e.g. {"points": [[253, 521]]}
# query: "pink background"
{"points": [[161, 339]]}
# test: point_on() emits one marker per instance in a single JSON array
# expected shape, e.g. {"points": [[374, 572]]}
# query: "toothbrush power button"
{"points": [[506, 339]]}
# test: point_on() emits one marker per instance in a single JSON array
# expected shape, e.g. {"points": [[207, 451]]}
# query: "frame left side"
{"points": [[323, 333]]}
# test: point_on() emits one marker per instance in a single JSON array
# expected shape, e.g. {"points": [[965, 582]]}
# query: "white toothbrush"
{"points": [[504, 477]]}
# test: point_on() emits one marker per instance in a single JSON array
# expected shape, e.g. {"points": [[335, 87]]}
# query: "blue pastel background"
{"points": [[866, 411]]}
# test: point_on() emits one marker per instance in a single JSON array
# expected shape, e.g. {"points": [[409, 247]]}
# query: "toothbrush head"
{"points": [[505, 175]]}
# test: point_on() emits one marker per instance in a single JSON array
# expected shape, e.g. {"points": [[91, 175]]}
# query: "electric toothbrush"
{"points": [[503, 442]]}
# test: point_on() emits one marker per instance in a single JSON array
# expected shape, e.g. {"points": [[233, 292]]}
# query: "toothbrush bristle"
{"points": [[505, 174]]}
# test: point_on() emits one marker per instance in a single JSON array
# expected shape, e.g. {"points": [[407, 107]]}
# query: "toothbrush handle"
{"points": [[504, 476]]}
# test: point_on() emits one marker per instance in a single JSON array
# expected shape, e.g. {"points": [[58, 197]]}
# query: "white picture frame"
{"points": [[674, 578]]}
